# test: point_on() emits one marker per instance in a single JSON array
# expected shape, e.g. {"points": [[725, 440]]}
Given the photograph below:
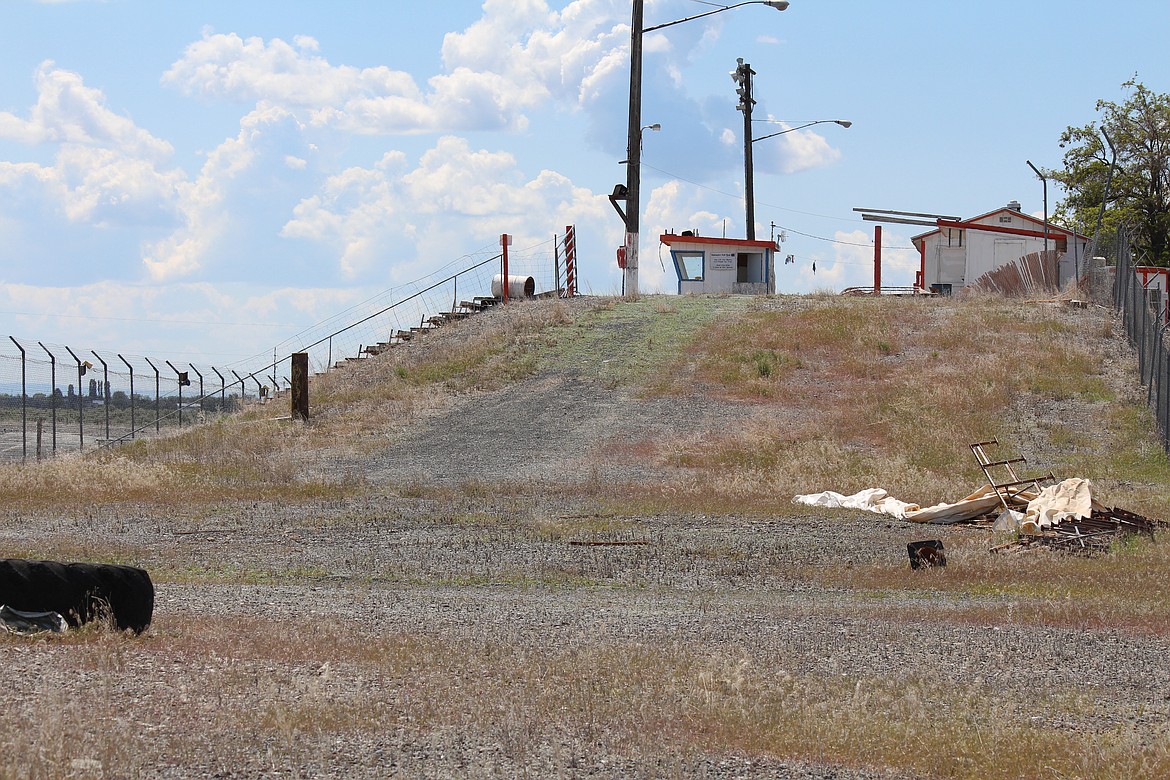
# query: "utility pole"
{"points": [[634, 154], [743, 77]]}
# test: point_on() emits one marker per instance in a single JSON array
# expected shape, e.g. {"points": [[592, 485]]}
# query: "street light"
{"points": [[843, 122], [749, 183], [632, 190], [1044, 179]]}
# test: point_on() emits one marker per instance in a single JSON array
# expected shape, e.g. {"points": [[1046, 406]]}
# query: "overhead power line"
{"points": [[782, 208]]}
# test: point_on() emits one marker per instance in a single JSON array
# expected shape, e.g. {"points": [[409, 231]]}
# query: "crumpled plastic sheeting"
{"points": [[870, 499], [1070, 498], [20, 622]]}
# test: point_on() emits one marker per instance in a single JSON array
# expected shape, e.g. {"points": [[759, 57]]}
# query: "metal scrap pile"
{"points": [[1088, 535], [1056, 515], [1041, 512]]}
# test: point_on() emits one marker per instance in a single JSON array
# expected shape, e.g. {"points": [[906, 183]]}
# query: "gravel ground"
{"points": [[468, 569]]}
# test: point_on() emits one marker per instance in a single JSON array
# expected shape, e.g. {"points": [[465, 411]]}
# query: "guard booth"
{"points": [[722, 265]]}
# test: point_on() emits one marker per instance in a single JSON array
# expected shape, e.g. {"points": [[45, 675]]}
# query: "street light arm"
{"points": [[779, 5], [841, 122]]}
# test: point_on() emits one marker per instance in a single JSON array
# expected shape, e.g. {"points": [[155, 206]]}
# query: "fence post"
{"points": [[557, 263], [133, 424], [1157, 396], [157, 397], [105, 391], [192, 365], [23, 401], [243, 390], [81, 368], [53, 394], [222, 391], [181, 379], [300, 386]]}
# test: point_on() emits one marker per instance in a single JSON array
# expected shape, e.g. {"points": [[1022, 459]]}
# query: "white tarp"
{"points": [[1070, 498]]}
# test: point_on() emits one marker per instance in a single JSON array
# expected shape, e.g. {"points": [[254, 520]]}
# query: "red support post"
{"points": [[922, 267], [877, 260], [505, 239]]}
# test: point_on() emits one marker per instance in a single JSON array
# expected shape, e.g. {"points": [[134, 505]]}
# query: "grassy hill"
{"points": [[558, 539]]}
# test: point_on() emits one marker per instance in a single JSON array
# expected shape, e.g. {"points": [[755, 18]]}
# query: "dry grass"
{"points": [[299, 687], [1126, 590], [850, 394], [861, 393]]}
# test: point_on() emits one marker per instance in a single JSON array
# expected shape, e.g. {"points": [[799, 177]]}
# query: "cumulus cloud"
{"points": [[390, 211], [793, 151], [107, 171], [69, 112]]}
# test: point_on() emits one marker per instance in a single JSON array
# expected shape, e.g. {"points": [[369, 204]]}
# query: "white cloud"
{"points": [[170, 319], [107, 171], [519, 55], [794, 151], [369, 215], [68, 112]]}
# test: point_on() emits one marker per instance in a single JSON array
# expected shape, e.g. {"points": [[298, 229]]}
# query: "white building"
{"points": [[722, 265], [957, 253]]}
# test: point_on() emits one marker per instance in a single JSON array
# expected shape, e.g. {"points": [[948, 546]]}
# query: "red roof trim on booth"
{"points": [[673, 238]]}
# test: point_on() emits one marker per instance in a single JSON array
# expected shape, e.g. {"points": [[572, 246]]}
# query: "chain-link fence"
{"points": [[1142, 307], [55, 398]]}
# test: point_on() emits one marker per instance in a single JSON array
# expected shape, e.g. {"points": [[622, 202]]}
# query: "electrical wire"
{"points": [[782, 208]]}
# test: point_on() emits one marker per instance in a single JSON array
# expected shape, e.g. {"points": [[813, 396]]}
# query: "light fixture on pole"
{"points": [[1044, 179], [631, 193], [742, 75]]}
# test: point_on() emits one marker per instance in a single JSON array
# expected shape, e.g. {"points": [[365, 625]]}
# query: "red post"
{"points": [[922, 267], [505, 239], [877, 260]]}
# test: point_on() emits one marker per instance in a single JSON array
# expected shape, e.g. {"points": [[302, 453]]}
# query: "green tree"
{"points": [[1139, 192]]}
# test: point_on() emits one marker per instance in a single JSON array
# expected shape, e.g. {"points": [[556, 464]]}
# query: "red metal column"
{"points": [[922, 266], [505, 239]]}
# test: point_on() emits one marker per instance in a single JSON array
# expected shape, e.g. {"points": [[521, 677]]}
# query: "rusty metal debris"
{"points": [[1087, 535], [1071, 529]]}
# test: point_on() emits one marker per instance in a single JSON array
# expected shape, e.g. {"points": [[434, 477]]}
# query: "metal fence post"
{"points": [[243, 390], [222, 391], [23, 401], [81, 368], [53, 393], [192, 365], [180, 379], [133, 424], [157, 397], [105, 390]]}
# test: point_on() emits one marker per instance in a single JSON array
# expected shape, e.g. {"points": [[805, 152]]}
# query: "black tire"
{"points": [[80, 592]]}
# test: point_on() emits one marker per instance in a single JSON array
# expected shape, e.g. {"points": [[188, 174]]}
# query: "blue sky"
{"points": [[207, 178]]}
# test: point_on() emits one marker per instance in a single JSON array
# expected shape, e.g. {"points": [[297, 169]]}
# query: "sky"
{"points": [[205, 179]]}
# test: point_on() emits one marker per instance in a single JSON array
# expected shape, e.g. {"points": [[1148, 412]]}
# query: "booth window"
{"points": [[689, 265]]}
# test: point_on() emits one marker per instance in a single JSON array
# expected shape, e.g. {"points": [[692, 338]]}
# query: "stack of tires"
{"points": [[79, 592]]}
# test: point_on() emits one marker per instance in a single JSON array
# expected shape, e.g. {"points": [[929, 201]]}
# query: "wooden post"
{"points": [[40, 436], [877, 260], [300, 386]]}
